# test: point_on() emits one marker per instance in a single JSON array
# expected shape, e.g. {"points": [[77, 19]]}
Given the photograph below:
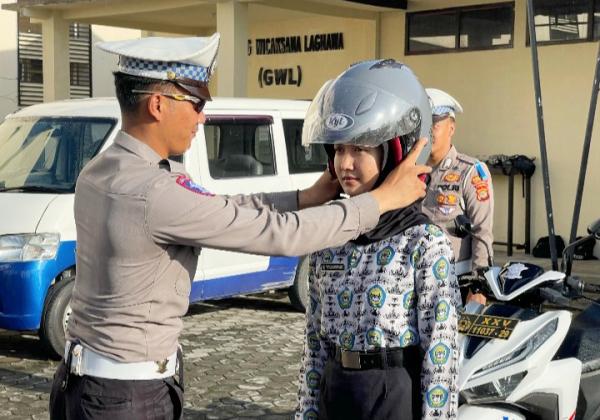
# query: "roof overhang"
{"points": [[195, 16]]}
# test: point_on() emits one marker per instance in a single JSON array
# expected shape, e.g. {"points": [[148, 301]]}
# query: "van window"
{"points": [[47, 154], [302, 159], [239, 146]]}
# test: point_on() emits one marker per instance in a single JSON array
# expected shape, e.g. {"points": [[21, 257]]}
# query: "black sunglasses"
{"points": [[197, 102]]}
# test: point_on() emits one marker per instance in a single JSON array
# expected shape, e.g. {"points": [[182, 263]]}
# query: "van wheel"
{"points": [[298, 292], [55, 318]]}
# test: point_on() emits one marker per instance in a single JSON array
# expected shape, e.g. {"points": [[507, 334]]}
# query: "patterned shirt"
{"points": [[398, 292]]}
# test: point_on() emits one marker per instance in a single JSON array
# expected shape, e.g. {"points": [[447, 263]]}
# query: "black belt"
{"points": [[374, 359]]}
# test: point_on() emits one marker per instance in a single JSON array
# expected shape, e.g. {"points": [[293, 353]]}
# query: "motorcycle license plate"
{"points": [[486, 326]]}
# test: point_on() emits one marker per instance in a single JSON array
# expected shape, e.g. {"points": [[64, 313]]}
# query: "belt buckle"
{"points": [[350, 359], [161, 366]]}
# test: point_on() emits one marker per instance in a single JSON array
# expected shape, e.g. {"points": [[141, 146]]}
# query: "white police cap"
{"points": [[442, 103], [187, 62]]}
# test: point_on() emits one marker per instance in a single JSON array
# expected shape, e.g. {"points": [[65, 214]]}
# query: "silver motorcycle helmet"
{"points": [[371, 103]]}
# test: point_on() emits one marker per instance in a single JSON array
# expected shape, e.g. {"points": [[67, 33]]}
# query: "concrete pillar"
{"points": [[232, 64], [378, 36], [55, 44]]}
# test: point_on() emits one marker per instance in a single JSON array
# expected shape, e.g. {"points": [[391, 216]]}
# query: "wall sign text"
{"points": [[289, 76], [298, 43]]}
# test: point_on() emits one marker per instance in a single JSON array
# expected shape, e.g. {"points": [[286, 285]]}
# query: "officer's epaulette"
{"points": [[480, 167], [467, 159]]}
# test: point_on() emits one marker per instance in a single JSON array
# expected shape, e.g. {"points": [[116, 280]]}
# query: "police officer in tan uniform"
{"points": [[141, 222], [459, 184]]}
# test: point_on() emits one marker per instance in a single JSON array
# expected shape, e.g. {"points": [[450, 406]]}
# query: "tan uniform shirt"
{"points": [[462, 185], [140, 225]]}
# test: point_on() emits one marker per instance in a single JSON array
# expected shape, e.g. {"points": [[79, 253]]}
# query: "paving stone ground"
{"points": [[242, 357]]}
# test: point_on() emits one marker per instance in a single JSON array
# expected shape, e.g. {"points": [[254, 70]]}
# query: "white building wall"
{"points": [[103, 63], [8, 61]]}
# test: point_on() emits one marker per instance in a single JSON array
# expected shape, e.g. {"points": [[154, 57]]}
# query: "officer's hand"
{"points": [[402, 187], [326, 188], [476, 297]]}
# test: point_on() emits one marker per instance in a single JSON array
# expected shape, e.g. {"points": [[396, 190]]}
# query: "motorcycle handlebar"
{"points": [[554, 296], [592, 288], [580, 286]]}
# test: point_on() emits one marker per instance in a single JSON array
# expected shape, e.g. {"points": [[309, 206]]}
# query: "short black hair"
{"points": [[126, 83]]}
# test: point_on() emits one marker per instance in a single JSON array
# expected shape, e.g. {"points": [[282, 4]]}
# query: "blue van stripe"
{"points": [[24, 285], [278, 275]]}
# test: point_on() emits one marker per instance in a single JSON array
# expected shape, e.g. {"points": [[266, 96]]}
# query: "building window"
{"points": [[559, 21], [30, 64], [80, 74], [30, 71], [460, 29]]}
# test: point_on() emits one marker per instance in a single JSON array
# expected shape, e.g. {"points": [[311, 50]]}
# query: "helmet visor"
{"points": [[348, 112]]}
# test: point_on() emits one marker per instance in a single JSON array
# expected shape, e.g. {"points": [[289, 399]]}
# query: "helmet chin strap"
{"points": [[396, 153], [330, 156], [395, 150], [331, 168]]}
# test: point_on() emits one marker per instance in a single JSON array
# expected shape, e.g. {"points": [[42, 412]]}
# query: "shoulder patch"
{"points": [[190, 185], [482, 194], [477, 181], [481, 187]]}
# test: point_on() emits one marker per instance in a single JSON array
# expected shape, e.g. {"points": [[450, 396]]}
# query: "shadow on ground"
{"points": [[229, 408], [272, 302], [22, 346]]}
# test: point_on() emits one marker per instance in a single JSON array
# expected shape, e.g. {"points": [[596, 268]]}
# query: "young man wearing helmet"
{"points": [[381, 340], [459, 184]]}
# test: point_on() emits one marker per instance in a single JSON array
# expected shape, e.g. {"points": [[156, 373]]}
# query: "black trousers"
{"points": [[88, 397], [393, 393]]}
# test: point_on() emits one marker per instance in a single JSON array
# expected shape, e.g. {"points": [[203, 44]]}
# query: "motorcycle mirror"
{"points": [[462, 226], [594, 229]]}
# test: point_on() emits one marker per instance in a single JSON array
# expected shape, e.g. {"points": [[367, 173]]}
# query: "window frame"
{"points": [[256, 120], [590, 29], [67, 122], [457, 11], [26, 68], [290, 147], [79, 76]]}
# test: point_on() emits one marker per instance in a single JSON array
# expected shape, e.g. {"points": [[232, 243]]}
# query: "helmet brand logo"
{"points": [[339, 122]]}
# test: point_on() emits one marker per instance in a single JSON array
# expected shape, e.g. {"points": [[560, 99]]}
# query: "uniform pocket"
{"points": [[100, 397], [183, 283], [96, 402]]}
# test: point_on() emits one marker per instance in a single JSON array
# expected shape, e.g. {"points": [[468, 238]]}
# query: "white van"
{"points": [[247, 145]]}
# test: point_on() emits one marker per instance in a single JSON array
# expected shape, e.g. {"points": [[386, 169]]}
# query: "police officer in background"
{"points": [[459, 184], [141, 222]]}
